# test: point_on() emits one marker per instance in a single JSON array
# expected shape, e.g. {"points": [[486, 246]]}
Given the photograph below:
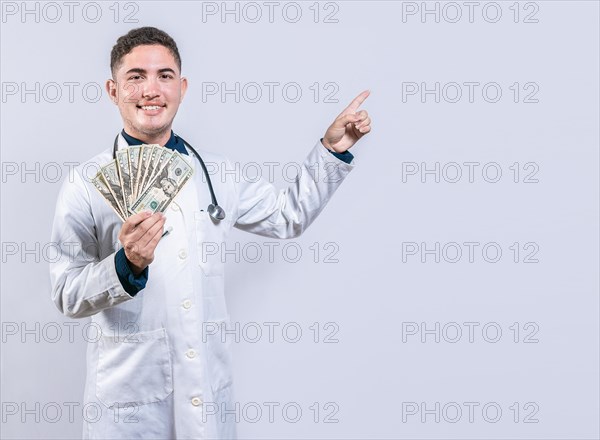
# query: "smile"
{"points": [[150, 107]]}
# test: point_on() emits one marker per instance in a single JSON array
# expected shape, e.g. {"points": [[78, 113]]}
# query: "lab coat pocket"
{"points": [[219, 333], [218, 341], [134, 369], [210, 244]]}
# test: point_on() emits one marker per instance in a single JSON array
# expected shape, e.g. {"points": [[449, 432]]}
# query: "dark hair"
{"points": [[138, 37]]}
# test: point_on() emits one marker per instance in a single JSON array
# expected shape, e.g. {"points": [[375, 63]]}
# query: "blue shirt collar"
{"points": [[174, 142]]}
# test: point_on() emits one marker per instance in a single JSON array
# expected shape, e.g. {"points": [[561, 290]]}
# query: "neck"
{"points": [[160, 138]]}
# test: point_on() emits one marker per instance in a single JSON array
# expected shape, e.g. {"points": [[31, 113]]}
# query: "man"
{"points": [[153, 373]]}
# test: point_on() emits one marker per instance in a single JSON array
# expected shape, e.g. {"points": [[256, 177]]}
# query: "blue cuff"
{"points": [[129, 281], [346, 156]]}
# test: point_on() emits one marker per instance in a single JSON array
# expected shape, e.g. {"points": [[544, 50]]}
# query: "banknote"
{"points": [[134, 163], [146, 151], [125, 176], [110, 172], [163, 158], [165, 186], [101, 186], [154, 158]]}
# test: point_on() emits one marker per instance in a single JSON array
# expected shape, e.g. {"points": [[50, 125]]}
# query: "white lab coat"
{"points": [[152, 368]]}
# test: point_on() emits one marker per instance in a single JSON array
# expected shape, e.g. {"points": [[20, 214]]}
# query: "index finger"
{"points": [[135, 220], [356, 102]]}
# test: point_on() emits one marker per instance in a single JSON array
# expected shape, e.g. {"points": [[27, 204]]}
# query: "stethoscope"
{"points": [[214, 210]]}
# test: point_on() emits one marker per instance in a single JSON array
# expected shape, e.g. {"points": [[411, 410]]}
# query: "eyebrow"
{"points": [[143, 71]]}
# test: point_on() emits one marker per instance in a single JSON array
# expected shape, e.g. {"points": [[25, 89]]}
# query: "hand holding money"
{"points": [[139, 236]]}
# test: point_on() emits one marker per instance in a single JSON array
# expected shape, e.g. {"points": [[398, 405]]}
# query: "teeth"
{"points": [[150, 107]]}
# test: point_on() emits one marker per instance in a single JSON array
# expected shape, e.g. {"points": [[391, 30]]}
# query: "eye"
{"points": [[166, 76], [135, 77]]}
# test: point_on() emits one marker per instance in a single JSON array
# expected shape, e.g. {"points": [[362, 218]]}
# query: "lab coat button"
{"points": [[182, 254], [191, 353], [196, 401], [187, 304]]}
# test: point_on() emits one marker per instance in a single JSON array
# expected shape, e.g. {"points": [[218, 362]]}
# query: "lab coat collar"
{"points": [[174, 143]]}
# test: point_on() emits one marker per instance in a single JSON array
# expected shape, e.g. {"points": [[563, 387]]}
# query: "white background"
{"points": [[370, 377]]}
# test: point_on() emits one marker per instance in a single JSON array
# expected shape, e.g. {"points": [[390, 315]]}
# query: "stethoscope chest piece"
{"points": [[216, 212]]}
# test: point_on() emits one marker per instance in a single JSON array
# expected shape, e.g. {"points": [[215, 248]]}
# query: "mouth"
{"points": [[154, 108]]}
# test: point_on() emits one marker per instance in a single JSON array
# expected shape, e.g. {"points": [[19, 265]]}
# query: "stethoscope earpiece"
{"points": [[214, 210]]}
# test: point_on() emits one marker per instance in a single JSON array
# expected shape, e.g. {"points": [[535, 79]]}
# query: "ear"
{"points": [[111, 89], [184, 86]]}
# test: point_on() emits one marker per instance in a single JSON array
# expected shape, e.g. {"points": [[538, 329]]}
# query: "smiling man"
{"points": [[155, 370], [147, 84]]}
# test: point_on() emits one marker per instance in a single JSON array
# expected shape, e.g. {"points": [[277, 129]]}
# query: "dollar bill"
{"points": [[111, 177], [134, 163], [154, 158], [100, 184], [145, 168], [144, 152], [163, 158], [166, 185], [124, 176]]}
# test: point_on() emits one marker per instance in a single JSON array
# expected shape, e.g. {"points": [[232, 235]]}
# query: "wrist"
{"points": [[135, 269], [326, 144], [131, 281]]}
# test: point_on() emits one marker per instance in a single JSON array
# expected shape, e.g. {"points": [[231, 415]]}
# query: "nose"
{"points": [[151, 89]]}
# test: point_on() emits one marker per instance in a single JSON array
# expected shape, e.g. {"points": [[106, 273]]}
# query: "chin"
{"points": [[152, 130]]}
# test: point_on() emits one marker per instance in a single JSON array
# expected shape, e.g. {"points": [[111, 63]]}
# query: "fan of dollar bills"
{"points": [[142, 177]]}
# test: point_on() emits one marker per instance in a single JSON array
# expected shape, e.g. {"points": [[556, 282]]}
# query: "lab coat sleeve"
{"points": [[82, 284], [286, 213]]}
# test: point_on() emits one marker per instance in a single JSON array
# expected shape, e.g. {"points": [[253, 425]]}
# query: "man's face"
{"points": [[148, 88]]}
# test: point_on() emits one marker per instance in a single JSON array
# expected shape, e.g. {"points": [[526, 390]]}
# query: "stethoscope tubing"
{"points": [[213, 197]]}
